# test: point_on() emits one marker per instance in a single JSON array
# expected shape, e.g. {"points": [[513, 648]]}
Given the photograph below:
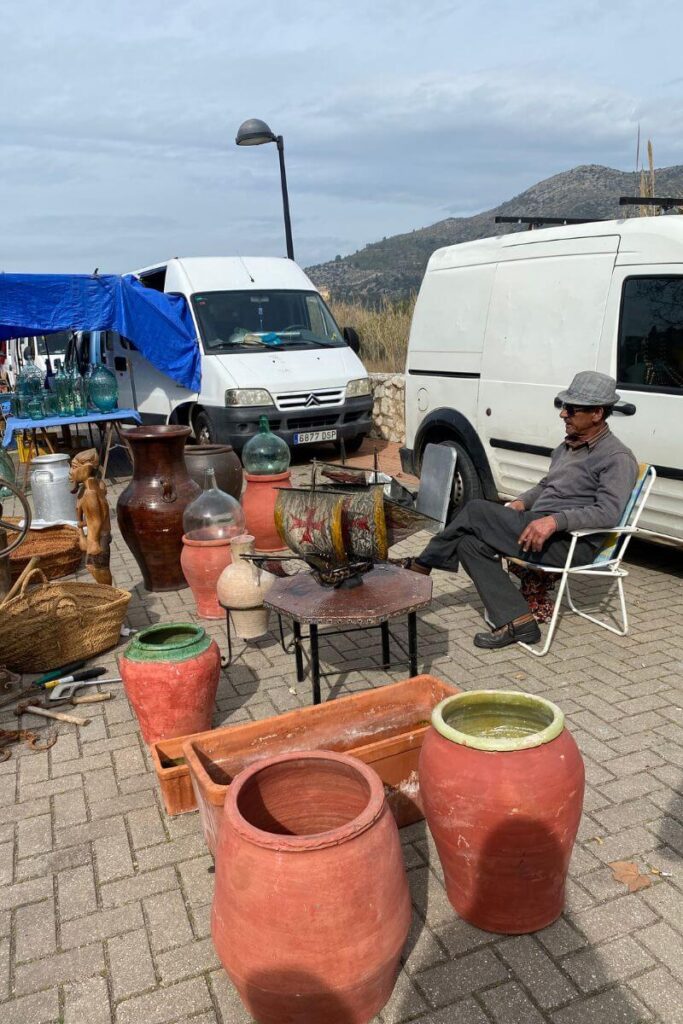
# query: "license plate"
{"points": [[313, 436]]}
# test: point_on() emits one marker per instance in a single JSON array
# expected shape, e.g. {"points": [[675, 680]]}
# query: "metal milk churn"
{"points": [[51, 489]]}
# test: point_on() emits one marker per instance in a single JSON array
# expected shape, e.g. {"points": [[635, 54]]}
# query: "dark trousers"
{"points": [[478, 536]]}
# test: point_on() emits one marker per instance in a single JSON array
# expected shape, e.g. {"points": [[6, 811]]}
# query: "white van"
{"points": [[270, 346], [501, 325]]}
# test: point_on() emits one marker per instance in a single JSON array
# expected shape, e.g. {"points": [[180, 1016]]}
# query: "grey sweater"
{"points": [[586, 487]]}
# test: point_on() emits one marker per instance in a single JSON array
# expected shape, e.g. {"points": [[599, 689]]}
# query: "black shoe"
{"points": [[527, 633]]}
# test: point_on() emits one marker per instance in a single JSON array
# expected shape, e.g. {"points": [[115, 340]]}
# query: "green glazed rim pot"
{"points": [[498, 720], [168, 641]]}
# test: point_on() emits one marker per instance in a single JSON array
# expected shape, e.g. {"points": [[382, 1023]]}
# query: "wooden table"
{"points": [[386, 593]]}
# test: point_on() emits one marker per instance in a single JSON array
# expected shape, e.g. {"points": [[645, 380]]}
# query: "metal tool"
{"points": [[76, 677], [65, 691], [57, 673]]}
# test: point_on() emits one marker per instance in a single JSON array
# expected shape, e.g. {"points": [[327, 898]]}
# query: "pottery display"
{"points": [[51, 489], [210, 522], [258, 502], [241, 588], [311, 906], [502, 784], [150, 510], [170, 673], [222, 458]]}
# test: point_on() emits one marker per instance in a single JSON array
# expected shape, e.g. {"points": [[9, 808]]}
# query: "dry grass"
{"points": [[383, 331]]}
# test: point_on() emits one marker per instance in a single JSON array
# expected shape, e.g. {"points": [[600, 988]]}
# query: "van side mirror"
{"points": [[625, 408], [352, 339]]}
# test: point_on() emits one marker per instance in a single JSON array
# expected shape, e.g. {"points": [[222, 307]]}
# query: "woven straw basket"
{"points": [[52, 624], [57, 547]]}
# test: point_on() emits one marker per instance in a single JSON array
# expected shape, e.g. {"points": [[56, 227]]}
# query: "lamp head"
{"points": [[254, 132]]}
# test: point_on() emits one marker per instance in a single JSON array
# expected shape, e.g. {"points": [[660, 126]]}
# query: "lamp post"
{"points": [[255, 132]]}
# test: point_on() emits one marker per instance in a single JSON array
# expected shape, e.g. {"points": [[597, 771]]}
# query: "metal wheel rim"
{"points": [[21, 530]]}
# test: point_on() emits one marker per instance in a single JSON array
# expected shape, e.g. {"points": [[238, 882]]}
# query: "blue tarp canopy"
{"points": [[159, 325]]}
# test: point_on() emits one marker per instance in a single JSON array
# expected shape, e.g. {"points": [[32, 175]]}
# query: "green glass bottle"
{"points": [[266, 454]]}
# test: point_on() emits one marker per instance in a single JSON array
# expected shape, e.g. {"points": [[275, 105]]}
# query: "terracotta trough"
{"points": [[384, 727]]}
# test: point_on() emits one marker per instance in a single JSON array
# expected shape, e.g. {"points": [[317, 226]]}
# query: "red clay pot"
{"points": [[170, 673], [258, 503], [503, 809], [202, 563], [311, 908]]}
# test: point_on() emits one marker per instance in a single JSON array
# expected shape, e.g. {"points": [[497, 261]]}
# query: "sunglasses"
{"points": [[571, 409]]}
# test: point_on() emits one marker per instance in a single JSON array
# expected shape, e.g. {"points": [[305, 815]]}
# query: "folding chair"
{"points": [[605, 565]]}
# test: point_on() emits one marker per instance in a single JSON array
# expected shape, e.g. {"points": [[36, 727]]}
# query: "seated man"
{"points": [[591, 476]]}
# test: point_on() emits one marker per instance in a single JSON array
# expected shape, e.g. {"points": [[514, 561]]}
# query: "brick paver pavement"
{"points": [[104, 900]]}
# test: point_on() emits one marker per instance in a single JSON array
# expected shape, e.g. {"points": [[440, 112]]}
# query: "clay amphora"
{"points": [[242, 586], [311, 907], [170, 673], [220, 457], [502, 785], [258, 503], [150, 510], [202, 563]]}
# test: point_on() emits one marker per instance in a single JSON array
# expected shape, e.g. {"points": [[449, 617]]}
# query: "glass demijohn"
{"points": [[103, 389], [214, 515], [265, 454]]}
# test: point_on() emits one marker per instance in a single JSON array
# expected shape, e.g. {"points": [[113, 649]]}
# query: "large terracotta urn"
{"points": [[150, 510], [170, 673], [258, 503], [502, 784], [311, 907], [202, 563], [241, 588]]}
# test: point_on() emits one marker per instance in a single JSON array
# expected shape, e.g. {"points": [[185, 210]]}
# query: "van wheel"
{"points": [[466, 485], [203, 431], [351, 445]]}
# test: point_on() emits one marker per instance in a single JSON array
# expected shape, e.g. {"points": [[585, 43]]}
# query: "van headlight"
{"points": [[358, 388], [248, 396]]}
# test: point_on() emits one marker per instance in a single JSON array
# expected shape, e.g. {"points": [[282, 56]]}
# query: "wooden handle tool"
{"points": [[31, 709]]}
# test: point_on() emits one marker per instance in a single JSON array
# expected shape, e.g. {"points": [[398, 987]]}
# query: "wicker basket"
{"points": [[57, 547], [51, 624]]}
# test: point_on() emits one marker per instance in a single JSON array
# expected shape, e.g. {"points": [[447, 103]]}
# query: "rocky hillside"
{"points": [[394, 266]]}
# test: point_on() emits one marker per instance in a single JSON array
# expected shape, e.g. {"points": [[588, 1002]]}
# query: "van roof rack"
{"points": [[665, 202], [538, 222]]}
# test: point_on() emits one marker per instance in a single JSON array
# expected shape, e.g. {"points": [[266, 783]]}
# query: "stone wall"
{"points": [[388, 412]]}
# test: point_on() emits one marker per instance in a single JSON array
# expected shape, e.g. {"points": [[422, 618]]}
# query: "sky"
{"points": [[118, 121]]}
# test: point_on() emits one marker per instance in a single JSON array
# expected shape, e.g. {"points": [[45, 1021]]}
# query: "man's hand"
{"points": [[517, 504], [537, 533]]}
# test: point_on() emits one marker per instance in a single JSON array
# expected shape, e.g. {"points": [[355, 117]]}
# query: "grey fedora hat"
{"points": [[590, 388]]}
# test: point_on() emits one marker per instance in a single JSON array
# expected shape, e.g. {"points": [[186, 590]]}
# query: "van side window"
{"points": [[650, 352]]}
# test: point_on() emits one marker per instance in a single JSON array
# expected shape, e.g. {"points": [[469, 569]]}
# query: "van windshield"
{"points": [[254, 321]]}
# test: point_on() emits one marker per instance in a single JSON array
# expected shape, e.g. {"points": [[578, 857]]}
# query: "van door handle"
{"points": [[120, 363], [625, 408]]}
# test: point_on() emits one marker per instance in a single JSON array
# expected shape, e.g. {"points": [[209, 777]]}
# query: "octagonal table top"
{"points": [[386, 592]]}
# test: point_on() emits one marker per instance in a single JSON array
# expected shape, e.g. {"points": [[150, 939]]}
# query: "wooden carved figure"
{"points": [[92, 511]]}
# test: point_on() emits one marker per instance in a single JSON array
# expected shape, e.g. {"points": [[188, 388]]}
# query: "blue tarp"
{"points": [[159, 325]]}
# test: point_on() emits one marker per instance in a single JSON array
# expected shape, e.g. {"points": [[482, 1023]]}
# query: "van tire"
{"points": [[351, 444], [202, 426], [466, 486]]}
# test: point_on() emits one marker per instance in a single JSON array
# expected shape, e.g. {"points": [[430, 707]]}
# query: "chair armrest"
{"points": [[611, 529]]}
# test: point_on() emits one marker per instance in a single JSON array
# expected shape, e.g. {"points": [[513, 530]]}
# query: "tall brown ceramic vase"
{"points": [[150, 510]]}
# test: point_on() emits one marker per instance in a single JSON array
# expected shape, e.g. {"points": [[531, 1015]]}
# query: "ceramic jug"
{"points": [[241, 588]]}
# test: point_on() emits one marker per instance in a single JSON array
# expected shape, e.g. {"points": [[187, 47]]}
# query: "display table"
{"points": [[386, 593], [111, 421]]}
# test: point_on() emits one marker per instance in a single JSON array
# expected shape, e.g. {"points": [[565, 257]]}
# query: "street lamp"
{"points": [[255, 132]]}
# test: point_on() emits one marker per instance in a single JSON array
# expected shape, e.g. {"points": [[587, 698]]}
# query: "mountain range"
{"points": [[394, 266]]}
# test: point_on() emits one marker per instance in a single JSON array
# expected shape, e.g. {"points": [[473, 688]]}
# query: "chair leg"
{"points": [[539, 652], [619, 630]]}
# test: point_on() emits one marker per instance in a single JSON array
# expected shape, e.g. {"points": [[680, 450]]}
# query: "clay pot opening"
{"points": [[498, 720], [171, 636], [153, 433], [309, 797]]}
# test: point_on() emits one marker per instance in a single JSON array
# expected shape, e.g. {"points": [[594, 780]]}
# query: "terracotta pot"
{"points": [[150, 510], [220, 457], [383, 727], [242, 585], [258, 503], [202, 563], [170, 673], [311, 908], [502, 785]]}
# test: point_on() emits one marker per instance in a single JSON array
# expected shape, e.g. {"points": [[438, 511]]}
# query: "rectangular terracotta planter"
{"points": [[384, 727]]}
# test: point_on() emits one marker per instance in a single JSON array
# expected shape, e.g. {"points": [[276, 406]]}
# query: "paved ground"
{"points": [[104, 905]]}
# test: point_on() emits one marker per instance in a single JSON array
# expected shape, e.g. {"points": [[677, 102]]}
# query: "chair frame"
{"points": [[609, 569]]}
